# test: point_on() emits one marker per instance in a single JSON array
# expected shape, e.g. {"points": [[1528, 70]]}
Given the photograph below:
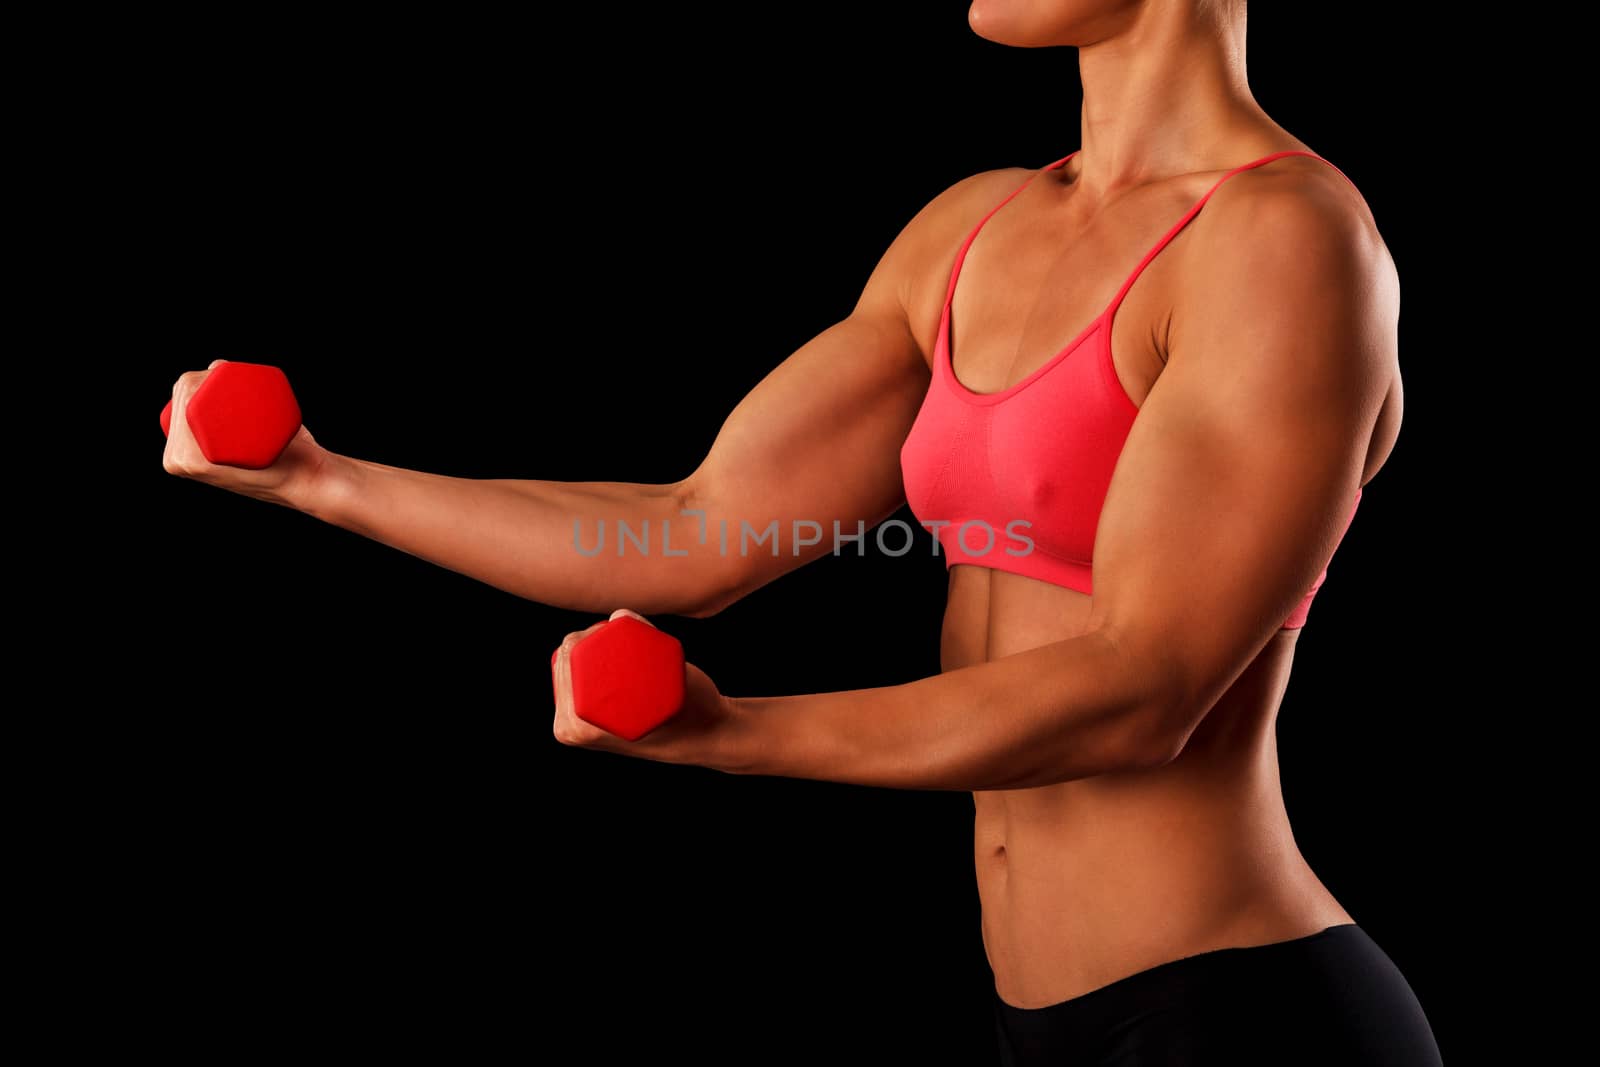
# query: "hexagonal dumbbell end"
{"points": [[243, 415], [627, 678]]}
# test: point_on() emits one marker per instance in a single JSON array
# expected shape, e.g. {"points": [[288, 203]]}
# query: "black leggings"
{"points": [[1333, 998]]}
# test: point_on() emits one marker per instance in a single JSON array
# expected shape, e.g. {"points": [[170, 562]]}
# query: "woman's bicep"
{"points": [[816, 442]]}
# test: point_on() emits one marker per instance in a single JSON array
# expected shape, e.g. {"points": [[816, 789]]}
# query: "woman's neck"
{"points": [[1161, 96]]}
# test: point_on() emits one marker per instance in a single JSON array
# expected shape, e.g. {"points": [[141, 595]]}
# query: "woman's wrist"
{"points": [[738, 741], [325, 488]]}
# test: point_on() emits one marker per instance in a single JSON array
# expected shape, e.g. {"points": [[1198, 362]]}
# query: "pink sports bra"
{"points": [[1041, 452]]}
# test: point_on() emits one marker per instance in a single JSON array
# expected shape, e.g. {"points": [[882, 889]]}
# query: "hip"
{"points": [[1329, 997]]}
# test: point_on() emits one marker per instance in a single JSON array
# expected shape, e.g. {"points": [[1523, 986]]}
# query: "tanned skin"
{"points": [[1120, 748]]}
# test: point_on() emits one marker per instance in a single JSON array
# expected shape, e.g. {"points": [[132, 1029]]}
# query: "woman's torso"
{"points": [[1089, 881]]}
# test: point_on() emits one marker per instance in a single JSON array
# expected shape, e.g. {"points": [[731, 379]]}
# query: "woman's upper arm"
{"points": [[1243, 465], [818, 439]]}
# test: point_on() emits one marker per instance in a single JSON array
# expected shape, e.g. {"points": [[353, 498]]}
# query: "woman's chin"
{"points": [[1043, 23]]}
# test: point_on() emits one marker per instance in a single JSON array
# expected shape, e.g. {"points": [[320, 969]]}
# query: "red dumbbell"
{"points": [[627, 677], [243, 415]]}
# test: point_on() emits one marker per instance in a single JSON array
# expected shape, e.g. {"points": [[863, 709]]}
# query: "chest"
{"points": [[1045, 349], [1040, 275]]}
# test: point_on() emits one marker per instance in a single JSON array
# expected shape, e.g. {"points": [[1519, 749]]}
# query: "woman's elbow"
{"points": [[1156, 723], [705, 606], [1129, 742], [1150, 748], [719, 588]]}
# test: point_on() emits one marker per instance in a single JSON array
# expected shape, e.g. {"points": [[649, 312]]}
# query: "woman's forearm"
{"points": [[1070, 710], [586, 546]]}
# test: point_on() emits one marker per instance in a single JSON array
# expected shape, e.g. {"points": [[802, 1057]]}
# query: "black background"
{"points": [[564, 249]]}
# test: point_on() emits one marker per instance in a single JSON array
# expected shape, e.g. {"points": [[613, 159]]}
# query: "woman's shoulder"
{"points": [[1291, 198], [917, 264], [1291, 246], [961, 205], [946, 220], [1300, 206]]}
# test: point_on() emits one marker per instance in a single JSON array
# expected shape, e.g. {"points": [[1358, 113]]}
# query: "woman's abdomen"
{"points": [[1089, 881]]}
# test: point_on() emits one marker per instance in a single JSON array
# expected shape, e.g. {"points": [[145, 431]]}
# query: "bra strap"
{"points": [[961, 254], [1195, 210]]}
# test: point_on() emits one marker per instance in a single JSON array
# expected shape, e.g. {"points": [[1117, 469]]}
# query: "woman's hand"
{"points": [[702, 733], [288, 481]]}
